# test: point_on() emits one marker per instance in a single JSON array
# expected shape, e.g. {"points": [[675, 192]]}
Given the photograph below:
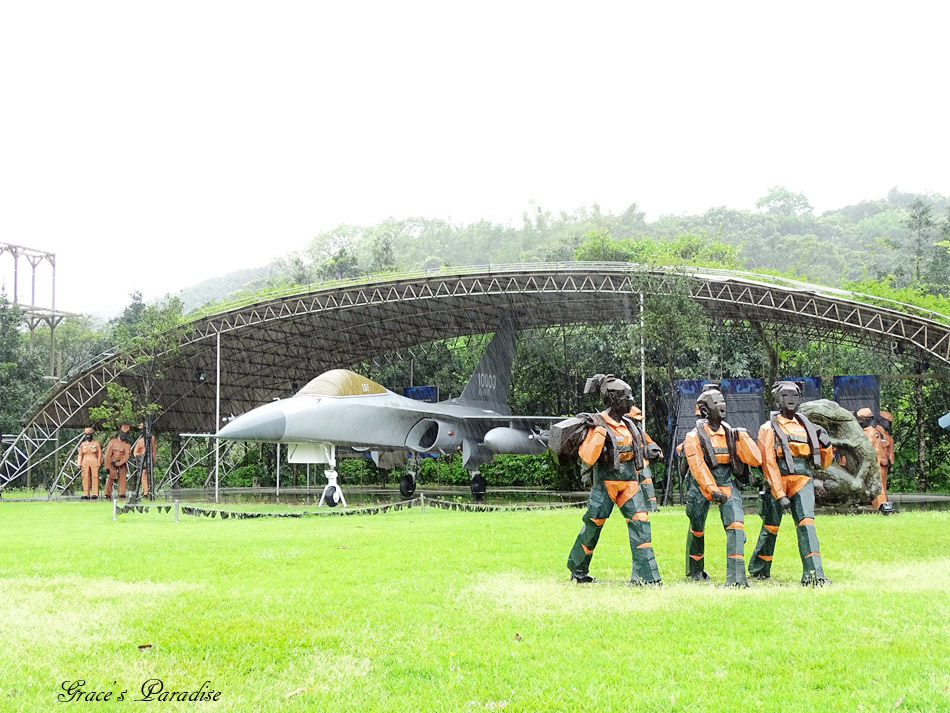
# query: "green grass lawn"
{"points": [[454, 611]]}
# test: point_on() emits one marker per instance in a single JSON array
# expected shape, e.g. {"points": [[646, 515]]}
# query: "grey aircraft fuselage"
{"points": [[363, 414], [340, 408]]}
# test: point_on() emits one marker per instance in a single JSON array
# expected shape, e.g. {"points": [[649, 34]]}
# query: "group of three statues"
{"points": [[118, 452], [614, 452]]}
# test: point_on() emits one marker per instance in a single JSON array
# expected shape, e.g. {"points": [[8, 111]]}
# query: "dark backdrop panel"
{"points": [[745, 403], [812, 386], [683, 418], [857, 392]]}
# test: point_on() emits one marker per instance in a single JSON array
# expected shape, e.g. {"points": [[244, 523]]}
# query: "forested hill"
{"points": [[901, 240]]}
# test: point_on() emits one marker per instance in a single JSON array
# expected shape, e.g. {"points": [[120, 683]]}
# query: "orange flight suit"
{"points": [[138, 450], [880, 450], [799, 448], [886, 456], [90, 460], [117, 459]]}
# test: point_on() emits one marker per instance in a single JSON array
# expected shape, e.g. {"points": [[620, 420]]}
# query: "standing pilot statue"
{"points": [[717, 454], [884, 449], [89, 460], [117, 456], [793, 448], [611, 452]]}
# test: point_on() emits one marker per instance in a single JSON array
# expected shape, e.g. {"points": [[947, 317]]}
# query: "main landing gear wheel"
{"points": [[407, 485]]}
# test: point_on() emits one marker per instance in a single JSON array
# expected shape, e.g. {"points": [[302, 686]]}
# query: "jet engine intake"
{"points": [[430, 435]]}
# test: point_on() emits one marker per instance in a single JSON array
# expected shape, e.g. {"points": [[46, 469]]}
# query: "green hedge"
{"points": [[541, 472]]}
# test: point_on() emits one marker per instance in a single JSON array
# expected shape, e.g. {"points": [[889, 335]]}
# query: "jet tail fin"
{"points": [[491, 381]]}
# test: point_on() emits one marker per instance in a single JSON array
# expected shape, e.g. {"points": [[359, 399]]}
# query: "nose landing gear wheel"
{"points": [[332, 493], [407, 485]]}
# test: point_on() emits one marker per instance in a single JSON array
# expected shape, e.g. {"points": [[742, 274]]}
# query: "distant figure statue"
{"points": [[885, 421], [118, 452], [89, 460], [717, 453], [611, 455], [793, 448]]}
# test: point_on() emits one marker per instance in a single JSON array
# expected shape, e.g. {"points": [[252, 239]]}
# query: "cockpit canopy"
{"points": [[341, 382]]}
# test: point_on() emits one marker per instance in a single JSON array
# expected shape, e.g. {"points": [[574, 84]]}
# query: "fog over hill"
{"points": [[901, 238]]}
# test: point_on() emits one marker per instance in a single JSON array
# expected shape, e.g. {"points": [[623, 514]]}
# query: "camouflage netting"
{"points": [[859, 480]]}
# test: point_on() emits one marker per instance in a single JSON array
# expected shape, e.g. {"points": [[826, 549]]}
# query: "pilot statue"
{"points": [[792, 449], [716, 454], [117, 456], [611, 454], [652, 452], [89, 459], [884, 424], [883, 443]]}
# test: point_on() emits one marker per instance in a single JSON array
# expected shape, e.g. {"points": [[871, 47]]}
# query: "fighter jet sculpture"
{"points": [[340, 408]]}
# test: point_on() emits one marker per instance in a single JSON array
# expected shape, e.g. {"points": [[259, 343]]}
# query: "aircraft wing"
{"points": [[449, 410]]}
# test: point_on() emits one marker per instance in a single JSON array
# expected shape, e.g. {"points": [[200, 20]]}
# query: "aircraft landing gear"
{"points": [[332, 493], [407, 484], [479, 485]]}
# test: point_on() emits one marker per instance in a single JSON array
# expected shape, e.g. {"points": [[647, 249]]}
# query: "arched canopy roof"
{"points": [[270, 349]]}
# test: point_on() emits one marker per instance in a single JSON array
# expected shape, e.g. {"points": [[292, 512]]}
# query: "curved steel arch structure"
{"points": [[268, 349]]}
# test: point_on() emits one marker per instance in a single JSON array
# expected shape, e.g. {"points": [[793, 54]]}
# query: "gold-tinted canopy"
{"points": [[341, 382]]}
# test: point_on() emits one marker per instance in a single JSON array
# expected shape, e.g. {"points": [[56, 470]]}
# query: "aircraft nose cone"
{"points": [[265, 424]]}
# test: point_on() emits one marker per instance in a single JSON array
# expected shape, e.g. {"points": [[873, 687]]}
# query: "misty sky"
{"points": [[153, 145]]}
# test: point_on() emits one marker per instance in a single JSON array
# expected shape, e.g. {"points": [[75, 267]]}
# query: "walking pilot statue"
{"points": [[793, 448], [612, 452], [716, 453]]}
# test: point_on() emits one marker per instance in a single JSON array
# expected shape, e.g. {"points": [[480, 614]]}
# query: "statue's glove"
{"points": [[654, 452], [719, 497], [784, 503], [824, 440]]}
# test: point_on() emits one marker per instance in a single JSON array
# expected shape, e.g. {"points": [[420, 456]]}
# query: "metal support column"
{"points": [[643, 367], [217, 419]]}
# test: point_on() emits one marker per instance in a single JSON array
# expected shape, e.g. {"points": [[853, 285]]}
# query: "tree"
{"points": [[598, 246], [383, 256], [781, 201], [340, 266], [633, 221], [130, 316], [78, 339], [296, 269], [21, 370], [922, 226]]}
